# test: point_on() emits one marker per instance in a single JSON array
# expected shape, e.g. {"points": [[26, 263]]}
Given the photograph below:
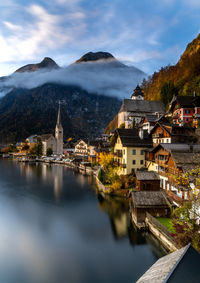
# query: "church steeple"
{"points": [[137, 94], [58, 118], [59, 134]]}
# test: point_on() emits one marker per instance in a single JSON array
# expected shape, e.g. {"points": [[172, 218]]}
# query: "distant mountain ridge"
{"points": [[87, 87], [45, 63]]}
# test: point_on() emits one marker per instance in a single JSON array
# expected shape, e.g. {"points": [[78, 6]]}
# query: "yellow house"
{"points": [[129, 150]]}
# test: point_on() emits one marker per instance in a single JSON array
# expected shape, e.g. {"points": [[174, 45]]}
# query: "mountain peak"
{"points": [[95, 56], [45, 63]]}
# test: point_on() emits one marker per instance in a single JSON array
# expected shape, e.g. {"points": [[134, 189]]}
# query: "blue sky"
{"points": [[148, 34]]}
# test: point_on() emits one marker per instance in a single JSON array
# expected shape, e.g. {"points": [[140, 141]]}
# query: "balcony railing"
{"points": [[118, 154]]}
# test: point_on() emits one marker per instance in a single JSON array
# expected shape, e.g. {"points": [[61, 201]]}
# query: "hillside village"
{"points": [[148, 158]]}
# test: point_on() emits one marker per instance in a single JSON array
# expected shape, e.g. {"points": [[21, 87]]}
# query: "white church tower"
{"points": [[59, 134], [137, 94]]}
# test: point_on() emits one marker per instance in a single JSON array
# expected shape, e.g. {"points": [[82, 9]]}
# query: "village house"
{"points": [[134, 110], [81, 148], [92, 146], [147, 181], [156, 203], [171, 133], [171, 161], [32, 140], [185, 110], [179, 266], [129, 150], [148, 122]]}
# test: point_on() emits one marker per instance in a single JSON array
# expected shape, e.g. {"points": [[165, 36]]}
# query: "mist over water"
{"points": [[107, 78]]}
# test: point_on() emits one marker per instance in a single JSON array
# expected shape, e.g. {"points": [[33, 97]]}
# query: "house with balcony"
{"points": [[149, 120], [171, 161], [129, 150], [81, 148], [171, 133], [185, 110]]}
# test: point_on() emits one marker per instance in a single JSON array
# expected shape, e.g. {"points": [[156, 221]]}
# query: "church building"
{"points": [[55, 143], [135, 109]]}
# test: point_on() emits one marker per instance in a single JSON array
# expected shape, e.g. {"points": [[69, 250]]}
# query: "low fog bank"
{"points": [[105, 78]]}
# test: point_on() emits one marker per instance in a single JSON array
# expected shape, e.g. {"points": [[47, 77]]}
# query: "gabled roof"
{"points": [[130, 138], [142, 106], [185, 102], [178, 147], [81, 140], [32, 138], [179, 266], [144, 199], [46, 137], [147, 175], [172, 129]]}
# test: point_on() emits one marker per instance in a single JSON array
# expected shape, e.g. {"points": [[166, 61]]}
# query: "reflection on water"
{"points": [[54, 228]]}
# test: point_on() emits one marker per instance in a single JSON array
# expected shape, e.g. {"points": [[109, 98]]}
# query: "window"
{"points": [[133, 152], [187, 119], [141, 162], [133, 162], [187, 111], [141, 152], [124, 151]]}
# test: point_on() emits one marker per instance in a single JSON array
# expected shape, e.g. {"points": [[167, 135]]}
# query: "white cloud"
{"points": [[43, 32]]}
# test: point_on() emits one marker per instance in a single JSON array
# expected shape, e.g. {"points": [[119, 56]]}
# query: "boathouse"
{"points": [[147, 181], [155, 203]]}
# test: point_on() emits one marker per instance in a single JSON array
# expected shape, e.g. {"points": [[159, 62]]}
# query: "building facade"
{"points": [[129, 150]]}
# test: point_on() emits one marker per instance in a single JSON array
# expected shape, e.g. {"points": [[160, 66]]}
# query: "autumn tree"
{"points": [[167, 92], [186, 219]]}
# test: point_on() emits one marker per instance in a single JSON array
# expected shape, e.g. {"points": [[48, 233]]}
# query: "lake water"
{"points": [[54, 227]]}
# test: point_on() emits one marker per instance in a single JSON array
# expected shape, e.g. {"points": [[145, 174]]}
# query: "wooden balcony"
{"points": [[118, 153]]}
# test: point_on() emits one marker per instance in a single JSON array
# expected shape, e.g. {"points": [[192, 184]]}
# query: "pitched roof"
{"points": [[130, 138], [185, 102], [173, 129], [144, 199], [45, 137], [147, 175], [142, 106], [179, 266]]}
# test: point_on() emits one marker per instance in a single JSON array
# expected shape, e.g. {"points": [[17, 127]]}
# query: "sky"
{"points": [[147, 34]]}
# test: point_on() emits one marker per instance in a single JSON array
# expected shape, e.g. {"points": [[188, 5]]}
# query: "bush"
{"points": [[94, 163], [101, 175], [49, 151], [116, 185]]}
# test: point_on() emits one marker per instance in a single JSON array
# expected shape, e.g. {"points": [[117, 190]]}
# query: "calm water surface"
{"points": [[55, 228]]}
